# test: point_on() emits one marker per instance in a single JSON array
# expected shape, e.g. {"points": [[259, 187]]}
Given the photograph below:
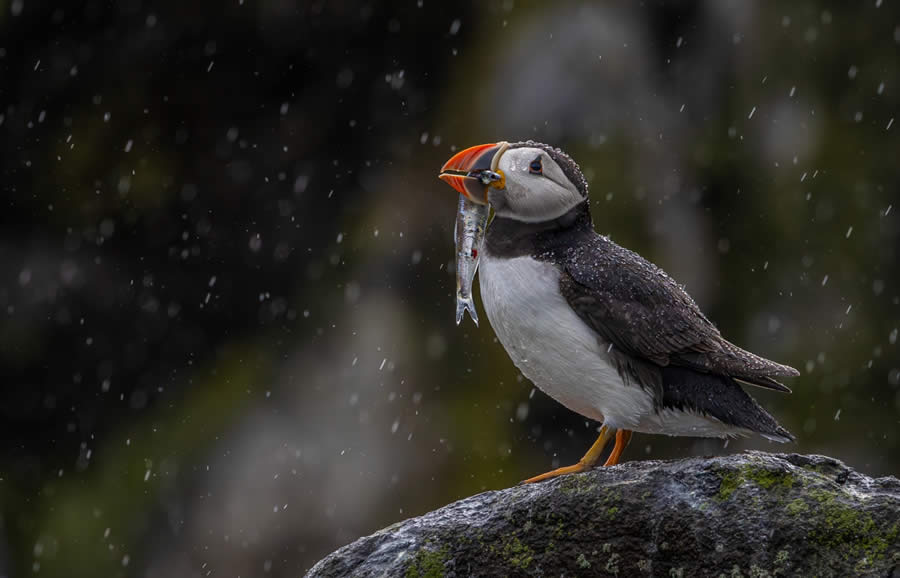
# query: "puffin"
{"points": [[595, 326]]}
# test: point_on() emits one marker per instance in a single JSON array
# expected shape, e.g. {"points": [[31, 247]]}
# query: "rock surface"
{"points": [[751, 514]]}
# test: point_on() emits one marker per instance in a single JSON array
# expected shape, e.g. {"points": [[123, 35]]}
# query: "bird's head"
{"points": [[526, 181]]}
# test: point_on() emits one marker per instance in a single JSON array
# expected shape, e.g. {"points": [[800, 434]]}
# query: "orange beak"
{"points": [[463, 169]]}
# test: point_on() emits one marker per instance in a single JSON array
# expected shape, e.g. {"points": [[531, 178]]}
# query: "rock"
{"points": [[752, 514]]}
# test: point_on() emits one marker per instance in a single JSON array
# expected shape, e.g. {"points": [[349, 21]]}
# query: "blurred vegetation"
{"points": [[227, 264]]}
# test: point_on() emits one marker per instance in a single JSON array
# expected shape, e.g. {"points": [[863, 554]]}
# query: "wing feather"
{"points": [[640, 310]]}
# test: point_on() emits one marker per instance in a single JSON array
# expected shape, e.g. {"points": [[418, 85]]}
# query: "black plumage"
{"points": [[654, 333], [718, 396], [637, 307]]}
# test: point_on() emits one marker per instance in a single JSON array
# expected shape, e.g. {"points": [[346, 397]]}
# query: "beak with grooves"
{"points": [[464, 171]]}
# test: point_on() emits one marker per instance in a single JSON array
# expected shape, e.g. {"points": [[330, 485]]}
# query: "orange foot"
{"points": [[591, 458], [623, 436], [573, 469]]}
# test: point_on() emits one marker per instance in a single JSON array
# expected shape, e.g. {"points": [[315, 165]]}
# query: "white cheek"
{"points": [[516, 165]]}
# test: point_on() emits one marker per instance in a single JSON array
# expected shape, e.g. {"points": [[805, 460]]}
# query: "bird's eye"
{"points": [[535, 167]]}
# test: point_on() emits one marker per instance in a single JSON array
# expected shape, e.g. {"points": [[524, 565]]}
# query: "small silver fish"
{"points": [[471, 222]]}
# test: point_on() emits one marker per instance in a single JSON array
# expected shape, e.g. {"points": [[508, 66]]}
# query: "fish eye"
{"points": [[535, 167]]}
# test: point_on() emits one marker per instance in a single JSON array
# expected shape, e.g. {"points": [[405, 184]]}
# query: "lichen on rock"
{"points": [[751, 514]]}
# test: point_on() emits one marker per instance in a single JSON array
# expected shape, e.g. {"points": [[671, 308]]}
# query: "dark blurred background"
{"points": [[226, 262]]}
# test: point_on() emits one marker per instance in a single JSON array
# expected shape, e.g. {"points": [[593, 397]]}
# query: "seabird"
{"points": [[597, 327]]}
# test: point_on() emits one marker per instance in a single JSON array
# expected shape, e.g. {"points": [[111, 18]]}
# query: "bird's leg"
{"points": [[623, 436], [589, 460]]}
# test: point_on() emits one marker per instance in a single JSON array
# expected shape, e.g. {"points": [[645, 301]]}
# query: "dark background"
{"points": [[226, 265]]}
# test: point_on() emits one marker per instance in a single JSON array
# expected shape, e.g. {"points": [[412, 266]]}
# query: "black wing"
{"points": [[638, 309]]}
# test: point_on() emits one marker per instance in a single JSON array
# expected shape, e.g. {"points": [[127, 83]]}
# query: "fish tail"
{"points": [[463, 305]]}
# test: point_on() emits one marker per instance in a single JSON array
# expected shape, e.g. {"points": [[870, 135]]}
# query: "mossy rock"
{"points": [[751, 514]]}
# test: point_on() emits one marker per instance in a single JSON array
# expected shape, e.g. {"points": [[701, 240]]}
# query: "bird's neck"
{"points": [[508, 238]]}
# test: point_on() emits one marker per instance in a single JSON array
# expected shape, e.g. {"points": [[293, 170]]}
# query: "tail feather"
{"points": [[739, 363], [765, 382], [720, 397]]}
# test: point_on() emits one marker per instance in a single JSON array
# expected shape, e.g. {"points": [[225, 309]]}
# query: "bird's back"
{"points": [[643, 311], [613, 337]]}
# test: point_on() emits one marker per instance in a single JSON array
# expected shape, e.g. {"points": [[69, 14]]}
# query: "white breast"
{"points": [[552, 346]]}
